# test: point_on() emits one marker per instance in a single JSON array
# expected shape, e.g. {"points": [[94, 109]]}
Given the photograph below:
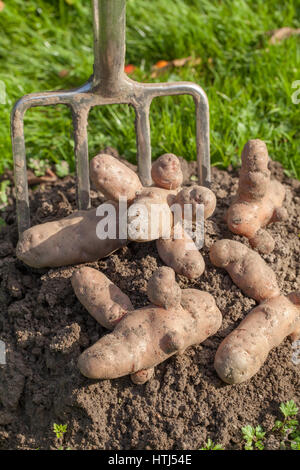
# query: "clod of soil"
{"points": [[45, 329]]}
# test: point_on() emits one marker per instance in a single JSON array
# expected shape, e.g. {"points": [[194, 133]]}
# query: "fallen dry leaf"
{"points": [[49, 177], [278, 35], [160, 67], [161, 64], [63, 73], [181, 62], [2, 6], [129, 68]]}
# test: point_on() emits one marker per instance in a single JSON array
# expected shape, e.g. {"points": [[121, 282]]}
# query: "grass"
{"points": [[248, 82]]}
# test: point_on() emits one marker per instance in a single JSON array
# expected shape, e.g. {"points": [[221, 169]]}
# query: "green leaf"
{"points": [[62, 169], [3, 187], [211, 446], [248, 432], [289, 408]]}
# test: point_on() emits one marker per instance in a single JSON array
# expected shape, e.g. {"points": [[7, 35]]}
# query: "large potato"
{"points": [[71, 240], [246, 268], [242, 353], [148, 336]]}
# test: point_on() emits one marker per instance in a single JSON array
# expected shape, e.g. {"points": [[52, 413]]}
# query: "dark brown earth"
{"points": [[45, 330]]}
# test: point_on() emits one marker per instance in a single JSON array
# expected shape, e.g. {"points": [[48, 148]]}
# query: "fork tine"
{"points": [[154, 90], [20, 169], [80, 122], [143, 142]]}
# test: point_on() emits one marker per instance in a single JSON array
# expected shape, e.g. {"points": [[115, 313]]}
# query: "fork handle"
{"points": [[109, 43]]}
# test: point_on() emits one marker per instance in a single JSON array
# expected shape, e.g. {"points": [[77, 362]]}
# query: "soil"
{"points": [[45, 329]]}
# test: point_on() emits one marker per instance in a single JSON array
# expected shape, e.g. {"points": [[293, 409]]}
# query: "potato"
{"points": [[258, 201], [71, 240], [146, 337], [181, 255], [196, 195], [150, 217], [166, 171], [162, 288], [113, 178], [243, 352], [142, 376], [246, 268], [102, 299]]}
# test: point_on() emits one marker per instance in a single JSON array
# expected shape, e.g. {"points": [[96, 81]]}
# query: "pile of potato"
{"points": [[175, 319]]}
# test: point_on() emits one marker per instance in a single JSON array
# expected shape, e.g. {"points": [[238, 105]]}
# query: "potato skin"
{"points": [[71, 240], [246, 268], [166, 172], [158, 220], [181, 255], [195, 195], [162, 288], [142, 376], [102, 299], [113, 178], [258, 200], [243, 352], [145, 338]]}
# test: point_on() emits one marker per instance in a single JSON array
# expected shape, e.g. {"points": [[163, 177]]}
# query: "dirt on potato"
{"points": [[45, 329]]}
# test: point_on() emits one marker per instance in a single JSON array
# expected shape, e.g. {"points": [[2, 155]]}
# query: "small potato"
{"points": [[182, 255], [166, 172], [246, 268], [113, 178], [196, 195], [150, 217], [242, 353], [71, 240], [142, 376], [102, 299], [162, 288]]}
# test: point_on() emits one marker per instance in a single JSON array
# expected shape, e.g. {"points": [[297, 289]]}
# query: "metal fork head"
{"points": [[108, 85]]}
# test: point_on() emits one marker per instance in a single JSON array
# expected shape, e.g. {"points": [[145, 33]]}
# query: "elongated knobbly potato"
{"points": [[242, 353], [246, 268], [102, 299], [71, 240], [259, 199], [148, 336]]}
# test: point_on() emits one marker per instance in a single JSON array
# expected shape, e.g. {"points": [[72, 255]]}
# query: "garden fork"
{"points": [[108, 85]]}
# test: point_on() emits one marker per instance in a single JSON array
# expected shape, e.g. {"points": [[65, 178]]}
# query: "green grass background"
{"points": [[248, 82]]}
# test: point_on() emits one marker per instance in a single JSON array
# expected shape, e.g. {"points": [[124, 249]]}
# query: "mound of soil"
{"points": [[45, 329]]}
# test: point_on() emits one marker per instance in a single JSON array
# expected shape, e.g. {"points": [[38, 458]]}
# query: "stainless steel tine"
{"points": [[154, 90], [80, 123], [143, 143]]}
